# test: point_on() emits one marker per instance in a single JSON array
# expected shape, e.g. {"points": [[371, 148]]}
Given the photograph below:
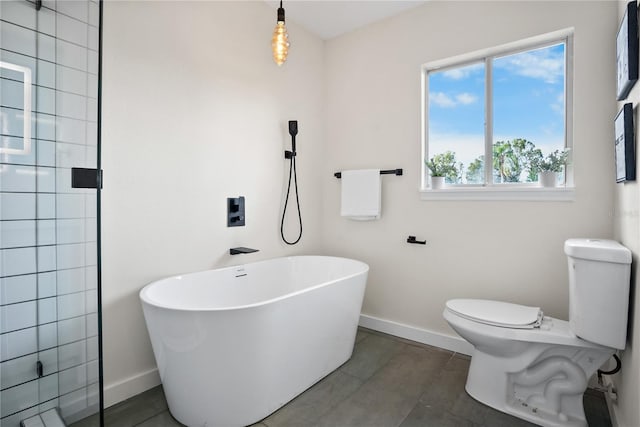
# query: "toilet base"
{"points": [[544, 385]]}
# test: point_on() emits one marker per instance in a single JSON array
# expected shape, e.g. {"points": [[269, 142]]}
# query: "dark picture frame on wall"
{"points": [[625, 145], [627, 51]]}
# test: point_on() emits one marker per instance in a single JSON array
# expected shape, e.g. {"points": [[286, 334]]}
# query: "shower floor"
{"points": [[388, 382]]}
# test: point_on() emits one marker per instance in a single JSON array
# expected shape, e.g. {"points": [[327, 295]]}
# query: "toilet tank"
{"points": [[599, 276]]}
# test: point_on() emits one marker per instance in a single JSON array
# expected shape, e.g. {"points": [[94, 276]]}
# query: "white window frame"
{"points": [[490, 190]]}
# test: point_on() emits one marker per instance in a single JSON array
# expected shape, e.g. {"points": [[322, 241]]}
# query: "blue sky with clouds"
{"points": [[528, 102]]}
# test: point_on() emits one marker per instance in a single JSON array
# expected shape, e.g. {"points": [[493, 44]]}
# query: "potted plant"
{"points": [[442, 166], [549, 166]]}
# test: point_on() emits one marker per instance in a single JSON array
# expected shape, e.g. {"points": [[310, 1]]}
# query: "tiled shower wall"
{"points": [[48, 298]]}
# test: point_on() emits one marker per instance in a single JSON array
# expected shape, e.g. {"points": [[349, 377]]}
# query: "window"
{"points": [[491, 118]]}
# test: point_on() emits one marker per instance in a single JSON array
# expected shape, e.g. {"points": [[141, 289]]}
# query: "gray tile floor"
{"points": [[388, 382]]}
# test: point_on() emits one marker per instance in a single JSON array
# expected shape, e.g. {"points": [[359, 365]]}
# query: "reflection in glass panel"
{"points": [[456, 122], [528, 112]]}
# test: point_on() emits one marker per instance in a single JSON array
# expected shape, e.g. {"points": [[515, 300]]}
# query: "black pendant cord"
{"points": [[292, 171]]}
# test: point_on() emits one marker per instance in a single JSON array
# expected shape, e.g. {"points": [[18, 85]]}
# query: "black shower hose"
{"points": [[292, 171]]}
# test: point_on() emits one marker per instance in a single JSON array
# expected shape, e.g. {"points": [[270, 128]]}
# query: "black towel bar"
{"points": [[384, 172]]}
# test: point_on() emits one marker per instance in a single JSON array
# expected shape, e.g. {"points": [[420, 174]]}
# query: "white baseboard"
{"points": [[129, 387], [413, 333]]}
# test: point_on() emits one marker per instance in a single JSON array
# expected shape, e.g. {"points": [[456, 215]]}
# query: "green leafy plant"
{"points": [[445, 164], [552, 162]]}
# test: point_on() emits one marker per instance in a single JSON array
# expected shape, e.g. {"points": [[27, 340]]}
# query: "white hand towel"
{"points": [[361, 194]]}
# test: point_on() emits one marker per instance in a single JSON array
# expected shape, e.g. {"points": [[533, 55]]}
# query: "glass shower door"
{"points": [[49, 335]]}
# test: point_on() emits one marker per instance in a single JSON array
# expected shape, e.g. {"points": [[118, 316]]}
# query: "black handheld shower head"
{"points": [[293, 127]]}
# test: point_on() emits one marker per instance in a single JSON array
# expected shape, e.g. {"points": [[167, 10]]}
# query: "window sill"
{"points": [[533, 194]]}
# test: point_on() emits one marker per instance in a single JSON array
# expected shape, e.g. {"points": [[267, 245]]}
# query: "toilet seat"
{"points": [[497, 313]]}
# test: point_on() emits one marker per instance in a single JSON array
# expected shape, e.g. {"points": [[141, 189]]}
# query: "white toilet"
{"points": [[536, 367]]}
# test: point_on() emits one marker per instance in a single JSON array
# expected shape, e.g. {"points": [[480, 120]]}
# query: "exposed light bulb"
{"points": [[280, 39]]}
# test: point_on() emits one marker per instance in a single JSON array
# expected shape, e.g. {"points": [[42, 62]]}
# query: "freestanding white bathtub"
{"points": [[234, 344]]}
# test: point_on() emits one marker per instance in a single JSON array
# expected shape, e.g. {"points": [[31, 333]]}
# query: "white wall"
{"points": [[498, 250], [626, 410], [196, 111]]}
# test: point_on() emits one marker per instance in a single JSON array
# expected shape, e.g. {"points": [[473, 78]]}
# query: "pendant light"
{"points": [[280, 40]]}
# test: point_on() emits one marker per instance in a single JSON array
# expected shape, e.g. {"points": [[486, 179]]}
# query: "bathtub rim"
{"points": [[146, 300]]}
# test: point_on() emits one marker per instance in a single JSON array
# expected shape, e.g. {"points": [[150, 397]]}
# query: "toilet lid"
{"points": [[497, 313]]}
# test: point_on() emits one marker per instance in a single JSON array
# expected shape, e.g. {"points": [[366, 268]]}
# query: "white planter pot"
{"points": [[548, 179], [437, 182]]}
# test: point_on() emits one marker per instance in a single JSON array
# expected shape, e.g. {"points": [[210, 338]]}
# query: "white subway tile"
{"points": [[70, 231], [19, 398], [63, 183], [71, 55], [92, 40], [92, 301], [71, 105], [18, 289], [20, 13], [73, 354], [15, 234], [48, 387], [71, 330], [92, 372], [70, 205], [72, 30], [76, 9], [17, 206], [71, 130], [17, 39], [46, 100], [46, 232], [17, 261], [46, 258], [71, 305], [91, 158], [47, 336], [92, 86], [46, 153], [71, 80], [71, 256], [47, 284], [18, 370], [46, 206], [47, 310], [94, 14], [91, 253], [92, 62], [91, 277], [70, 155], [72, 280], [46, 179], [92, 324], [91, 227], [93, 395], [91, 205], [92, 348], [92, 134], [46, 75], [92, 110], [17, 316], [17, 178], [46, 126], [46, 47], [47, 21], [18, 343]]}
